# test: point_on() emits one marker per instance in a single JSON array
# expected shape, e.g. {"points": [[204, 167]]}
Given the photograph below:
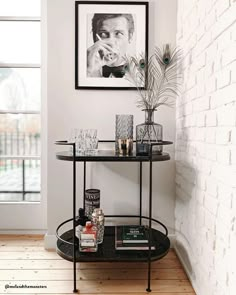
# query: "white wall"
{"points": [[205, 145], [68, 108]]}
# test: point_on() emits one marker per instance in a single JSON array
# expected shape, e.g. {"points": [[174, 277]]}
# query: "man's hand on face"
{"points": [[99, 54]]}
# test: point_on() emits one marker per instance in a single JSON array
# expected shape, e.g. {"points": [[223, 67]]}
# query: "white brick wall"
{"points": [[206, 144]]}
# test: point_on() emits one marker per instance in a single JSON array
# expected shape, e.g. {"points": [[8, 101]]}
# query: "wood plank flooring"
{"points": [[28, 268]]}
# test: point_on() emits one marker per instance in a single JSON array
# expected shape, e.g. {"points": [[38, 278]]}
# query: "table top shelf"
{"points": [[110, 156], [107, 252]]}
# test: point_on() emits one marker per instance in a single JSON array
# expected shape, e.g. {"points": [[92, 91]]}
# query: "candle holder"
{"points": [[125, 146], [124, 134]]}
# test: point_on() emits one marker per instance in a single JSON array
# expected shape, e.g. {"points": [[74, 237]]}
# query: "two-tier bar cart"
{"points": [[67, 243]]}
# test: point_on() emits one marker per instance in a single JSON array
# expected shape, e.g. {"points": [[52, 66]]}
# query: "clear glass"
{"points": [[18, 197], [86, 141], [33, 197], [147, 133], [91, 142], [11, 197], [99, 221], [124, 129], [32, 175], [20, 134], [20, 42], [20, 8], [20, 89], [100, 231], [12, 177]]}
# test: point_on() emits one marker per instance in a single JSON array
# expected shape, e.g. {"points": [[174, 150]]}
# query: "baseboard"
{"points": [[23, 232], [186, 270], [50, 242], [172, 238]]}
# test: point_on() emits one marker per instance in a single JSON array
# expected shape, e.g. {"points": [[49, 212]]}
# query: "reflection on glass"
{"points": [[20, 89], [20, 8], [20, 42]]}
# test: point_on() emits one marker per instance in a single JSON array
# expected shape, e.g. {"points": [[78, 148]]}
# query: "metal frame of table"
{"points": [[111, 156]]}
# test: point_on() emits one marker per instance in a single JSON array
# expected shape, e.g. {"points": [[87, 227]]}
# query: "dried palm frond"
{"points": [[156, 78]]}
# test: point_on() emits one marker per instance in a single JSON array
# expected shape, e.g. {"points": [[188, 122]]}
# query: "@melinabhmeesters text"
{"points": [[24, 286]]}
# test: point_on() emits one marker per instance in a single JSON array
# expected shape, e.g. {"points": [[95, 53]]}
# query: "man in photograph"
{"points": [[112, 36]]}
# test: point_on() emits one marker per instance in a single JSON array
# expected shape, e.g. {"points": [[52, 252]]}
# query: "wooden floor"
{"points": [[25, 263]]}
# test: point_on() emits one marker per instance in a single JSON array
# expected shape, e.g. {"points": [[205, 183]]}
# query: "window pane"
{"points": [[11, 175], [11, 197], [20, 8], [12, 179], [20, 89], [32, 175], [33, 197], [19, 134], [20, 42]]}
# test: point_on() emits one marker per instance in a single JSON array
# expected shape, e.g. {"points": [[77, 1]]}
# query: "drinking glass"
{"points": [[80, 141], [91, 142], [72, 137]]}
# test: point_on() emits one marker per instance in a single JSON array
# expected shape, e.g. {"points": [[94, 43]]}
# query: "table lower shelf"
{"points": [[107, 252]]}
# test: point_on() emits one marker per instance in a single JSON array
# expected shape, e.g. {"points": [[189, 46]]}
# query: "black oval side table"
{"points": [[67, 243]]}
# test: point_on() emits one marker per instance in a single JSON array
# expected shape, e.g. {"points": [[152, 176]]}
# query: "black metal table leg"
{"points": [[150, 222], [74, 215], [140, 191], [84, 183]]}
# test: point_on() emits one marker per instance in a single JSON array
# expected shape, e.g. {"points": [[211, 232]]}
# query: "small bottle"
{"points": [[98, 220], [88, 238], [80, 222]]}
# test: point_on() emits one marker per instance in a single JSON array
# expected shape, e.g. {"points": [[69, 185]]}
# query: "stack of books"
{"points": [[132, 237]]}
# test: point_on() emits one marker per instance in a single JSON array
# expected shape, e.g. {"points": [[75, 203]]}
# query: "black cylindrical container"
{"points": [[92, 201]]}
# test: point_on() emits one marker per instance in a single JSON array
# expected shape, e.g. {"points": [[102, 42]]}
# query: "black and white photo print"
{"points": [[106, 34]]}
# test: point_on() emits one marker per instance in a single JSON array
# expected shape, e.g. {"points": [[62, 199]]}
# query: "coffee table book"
{"points": [[134, 234], [120, 244]]}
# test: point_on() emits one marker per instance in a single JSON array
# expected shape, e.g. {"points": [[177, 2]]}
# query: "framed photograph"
{"points": [[106, 34]]}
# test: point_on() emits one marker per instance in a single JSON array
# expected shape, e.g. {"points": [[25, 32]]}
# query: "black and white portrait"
{"points": [[106, 34]]}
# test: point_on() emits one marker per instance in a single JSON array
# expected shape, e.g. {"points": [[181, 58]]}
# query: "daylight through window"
{"points": [[20, 100]]}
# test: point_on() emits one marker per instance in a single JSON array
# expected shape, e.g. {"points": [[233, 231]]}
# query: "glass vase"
{"points": [[147, 133], [124, 133]]}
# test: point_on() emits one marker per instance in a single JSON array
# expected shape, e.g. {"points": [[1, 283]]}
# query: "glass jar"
{"points": [[98, 220], [147, 133]]}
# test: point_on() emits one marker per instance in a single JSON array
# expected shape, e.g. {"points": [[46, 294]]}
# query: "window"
{"points": [[20, 99]]}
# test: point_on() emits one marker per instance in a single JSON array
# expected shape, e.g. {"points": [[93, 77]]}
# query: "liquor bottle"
{"points": [[80, 222], [98, 220], [88, 238]]}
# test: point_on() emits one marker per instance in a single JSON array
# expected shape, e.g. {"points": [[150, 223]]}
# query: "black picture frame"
{"points": [[84, 39]]}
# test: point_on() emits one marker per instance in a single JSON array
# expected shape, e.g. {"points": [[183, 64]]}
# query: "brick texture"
{"points": [[206, 145]]}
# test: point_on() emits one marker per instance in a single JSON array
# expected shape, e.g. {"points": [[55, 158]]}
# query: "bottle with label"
{"points": [[98, 220], [88, 238]]}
